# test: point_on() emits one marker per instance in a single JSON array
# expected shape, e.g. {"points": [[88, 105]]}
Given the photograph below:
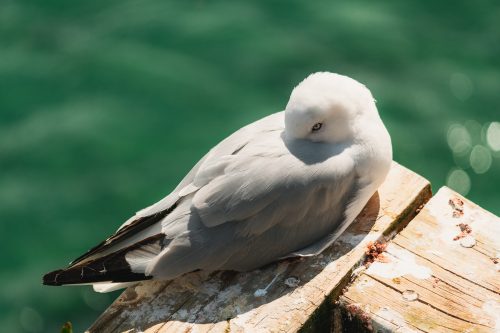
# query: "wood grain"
{"points": [[261, 301], [462, 290]]}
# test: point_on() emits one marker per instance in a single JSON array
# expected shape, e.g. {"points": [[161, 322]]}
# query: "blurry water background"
{"points": [[105, 105]]}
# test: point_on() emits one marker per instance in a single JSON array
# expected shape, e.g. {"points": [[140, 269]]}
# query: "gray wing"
{"points": [[239, 211], [257, 208], [147, 222], [249, 201], [241, 185], [228, 146]]}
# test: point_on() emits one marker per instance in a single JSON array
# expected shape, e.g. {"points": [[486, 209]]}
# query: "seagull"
{"points": [[284, 186]]}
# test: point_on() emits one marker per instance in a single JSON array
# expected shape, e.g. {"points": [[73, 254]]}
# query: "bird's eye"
{"points": [[316, 127]]}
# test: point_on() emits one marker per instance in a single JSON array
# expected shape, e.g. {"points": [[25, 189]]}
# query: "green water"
{"points": [[105, 105]]}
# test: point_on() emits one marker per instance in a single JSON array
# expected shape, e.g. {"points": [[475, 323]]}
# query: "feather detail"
{"points": [[110, 268], [109, 287]]}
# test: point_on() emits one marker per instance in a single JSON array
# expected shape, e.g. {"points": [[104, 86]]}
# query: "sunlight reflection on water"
{"points": [[459, 180], [473, 146], [493, 136], [31, 320]]}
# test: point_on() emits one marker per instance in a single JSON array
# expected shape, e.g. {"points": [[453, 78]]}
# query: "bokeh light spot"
{"points": [[459, 139], [480, 159], [459, 181], [31, 320], [493, 136]]}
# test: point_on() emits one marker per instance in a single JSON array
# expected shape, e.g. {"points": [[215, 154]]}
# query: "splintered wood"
{"points": [[287, 296], [442, 275]]}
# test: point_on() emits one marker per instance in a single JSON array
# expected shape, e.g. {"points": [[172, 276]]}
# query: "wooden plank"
{"points": [[286, 296], [457, 287]]}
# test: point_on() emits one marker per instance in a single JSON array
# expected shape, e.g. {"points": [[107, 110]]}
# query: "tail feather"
{"points": [[109, 287], [114, 267]]}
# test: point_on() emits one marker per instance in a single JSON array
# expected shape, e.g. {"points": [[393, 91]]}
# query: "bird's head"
{"points": [[327, 107]]}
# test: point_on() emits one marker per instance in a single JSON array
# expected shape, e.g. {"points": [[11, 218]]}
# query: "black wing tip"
{"points": [[50, 279], [110, 268], [87, 275], [124, 232]]}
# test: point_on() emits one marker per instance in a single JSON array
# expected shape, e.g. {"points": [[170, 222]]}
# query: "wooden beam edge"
{"points": [[419, 193], [330, 310], [350, 315]]}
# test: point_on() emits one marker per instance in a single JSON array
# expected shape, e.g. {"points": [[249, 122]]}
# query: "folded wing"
{"points": [[107, 262]]}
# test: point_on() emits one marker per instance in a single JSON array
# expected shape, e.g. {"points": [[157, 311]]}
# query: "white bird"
{"points": [[286, 185]]}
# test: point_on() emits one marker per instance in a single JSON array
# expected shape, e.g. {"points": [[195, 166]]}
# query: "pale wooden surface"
{"points": [[458, 287], [230, 302]]}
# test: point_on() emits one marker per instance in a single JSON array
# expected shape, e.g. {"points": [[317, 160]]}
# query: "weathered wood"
{"points": [[457, 287], [287, 296]]}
